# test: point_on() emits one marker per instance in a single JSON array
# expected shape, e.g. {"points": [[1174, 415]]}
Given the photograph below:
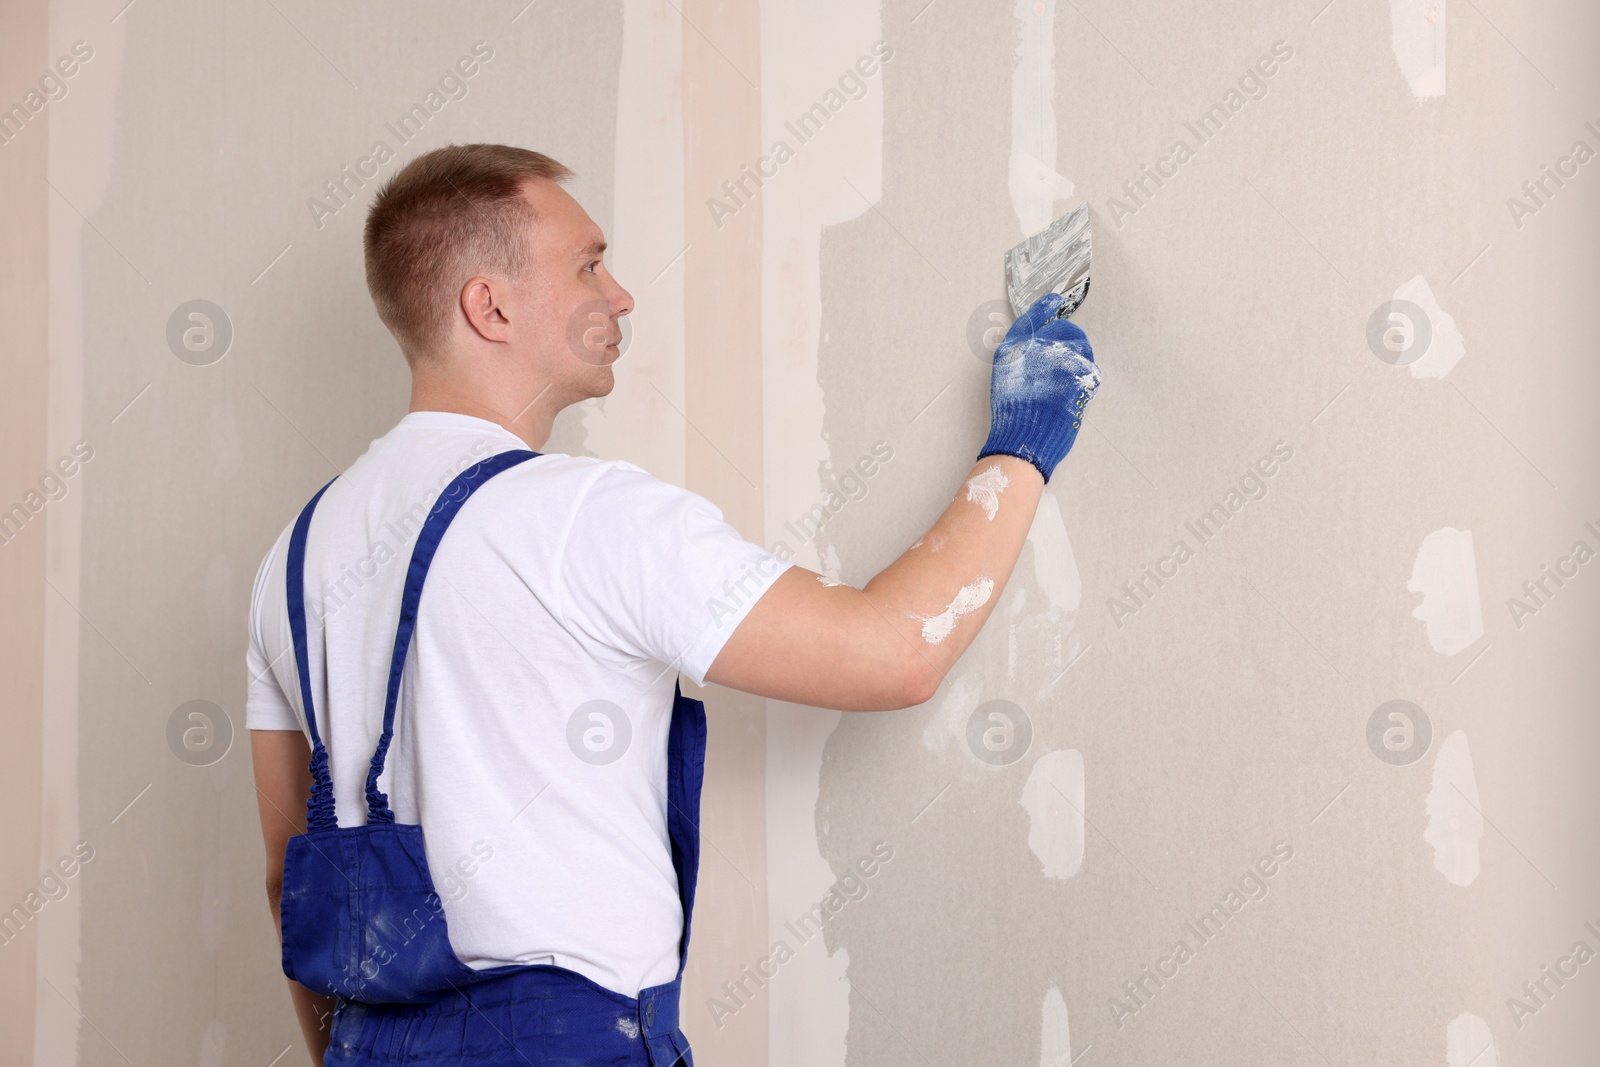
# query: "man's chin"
{"points": [[600, 381]]}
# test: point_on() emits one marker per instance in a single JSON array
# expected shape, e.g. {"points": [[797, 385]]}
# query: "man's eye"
{"points": [[590, 268]]}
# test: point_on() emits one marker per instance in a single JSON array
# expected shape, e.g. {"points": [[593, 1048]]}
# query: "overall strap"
{"points": [[444, 510], [319, 809]]}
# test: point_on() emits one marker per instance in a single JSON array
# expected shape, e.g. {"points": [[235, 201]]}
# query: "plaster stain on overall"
{"points": [[1446, 345], [1446, 574], [1454, 824], [1467, 1041], [1055, 1031], [972, 596], [1053, 799], [984, 489], [1417, 36]]}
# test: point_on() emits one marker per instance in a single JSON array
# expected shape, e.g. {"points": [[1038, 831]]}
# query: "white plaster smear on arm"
{"points": [[935, 628], [1445, 344], [985, 487], [1467, 1040], [1055, 1031], [1446, 574], [1053, 799], [1454, 823], [1417, 36]]}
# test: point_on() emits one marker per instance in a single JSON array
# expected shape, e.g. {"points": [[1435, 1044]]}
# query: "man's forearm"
{"points": [[939, 593], [316, 1018], [313, 1010]]}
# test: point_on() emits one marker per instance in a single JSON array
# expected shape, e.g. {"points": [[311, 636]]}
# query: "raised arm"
{"points": [[890, 644]]}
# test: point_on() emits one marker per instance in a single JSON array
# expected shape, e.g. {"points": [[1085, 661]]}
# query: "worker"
{"points": [[478, 778]]}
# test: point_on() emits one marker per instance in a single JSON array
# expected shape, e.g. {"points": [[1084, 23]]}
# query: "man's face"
{"points": [[574, 301]]}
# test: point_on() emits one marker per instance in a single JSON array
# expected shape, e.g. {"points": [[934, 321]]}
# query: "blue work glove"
{"points": [[1044, 374]]}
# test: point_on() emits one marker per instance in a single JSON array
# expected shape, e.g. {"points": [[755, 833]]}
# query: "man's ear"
{"points": [[482, 302]]}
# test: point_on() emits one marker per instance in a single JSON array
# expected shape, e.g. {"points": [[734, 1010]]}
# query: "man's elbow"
{"points": [[275, 891], [915, 682]]}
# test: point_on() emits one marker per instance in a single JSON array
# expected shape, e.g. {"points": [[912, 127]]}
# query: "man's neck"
{"points": [[530, 419]]}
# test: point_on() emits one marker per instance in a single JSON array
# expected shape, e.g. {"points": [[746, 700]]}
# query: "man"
{"points": [[534, 708]]}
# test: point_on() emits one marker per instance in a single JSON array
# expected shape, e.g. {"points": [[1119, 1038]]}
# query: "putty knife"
{"points": [[1056, 259]]}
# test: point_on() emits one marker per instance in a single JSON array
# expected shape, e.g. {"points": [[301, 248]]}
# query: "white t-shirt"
{"points": [[531, 736]]}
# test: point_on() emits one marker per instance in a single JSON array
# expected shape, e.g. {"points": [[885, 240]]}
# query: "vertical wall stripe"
{"points": [[722, 306], [24, 366]]}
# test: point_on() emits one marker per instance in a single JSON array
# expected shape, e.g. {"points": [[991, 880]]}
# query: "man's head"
{"points": [[490, 277]]}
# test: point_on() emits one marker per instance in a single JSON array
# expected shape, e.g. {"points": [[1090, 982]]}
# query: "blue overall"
{"points": [[362, 921]]}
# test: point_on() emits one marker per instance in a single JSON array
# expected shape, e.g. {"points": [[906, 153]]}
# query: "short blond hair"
{"points": [[447, 215]]}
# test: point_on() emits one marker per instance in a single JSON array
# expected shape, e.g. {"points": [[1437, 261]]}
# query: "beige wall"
{"points": [[1176, 734], [24, 406]]}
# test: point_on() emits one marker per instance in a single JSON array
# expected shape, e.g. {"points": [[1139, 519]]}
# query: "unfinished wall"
{"points": [[1343, 457]]}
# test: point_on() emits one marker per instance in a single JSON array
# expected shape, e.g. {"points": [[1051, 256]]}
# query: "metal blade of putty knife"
{"points": [[1056, 259]]}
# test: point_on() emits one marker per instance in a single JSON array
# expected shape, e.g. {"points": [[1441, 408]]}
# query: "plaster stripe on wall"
{"points": [[1034, 182], [834, 176], [640, 421], [24, 300], [722, 442], [80, 160]]}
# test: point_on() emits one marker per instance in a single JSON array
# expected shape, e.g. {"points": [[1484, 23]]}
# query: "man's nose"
{"points": [[620, 299]]}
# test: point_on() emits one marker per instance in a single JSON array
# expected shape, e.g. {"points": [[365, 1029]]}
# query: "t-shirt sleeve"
{"points": [[266, 707], [654, 571]]}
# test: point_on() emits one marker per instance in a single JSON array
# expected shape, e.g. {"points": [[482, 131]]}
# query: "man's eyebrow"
{"points": [[593, 248]]}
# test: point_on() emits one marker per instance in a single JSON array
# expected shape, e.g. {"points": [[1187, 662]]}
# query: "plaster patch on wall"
{"points": [[213, 1043], [984, 489], [1053, 799], [1048, 636], [1446, 345], [1032, 180], [1417, 36], [962, 692], [1055, 1034], [1454, 824], [1467, 1040], [1446, 574], [1054, 566], [972, 596]]}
